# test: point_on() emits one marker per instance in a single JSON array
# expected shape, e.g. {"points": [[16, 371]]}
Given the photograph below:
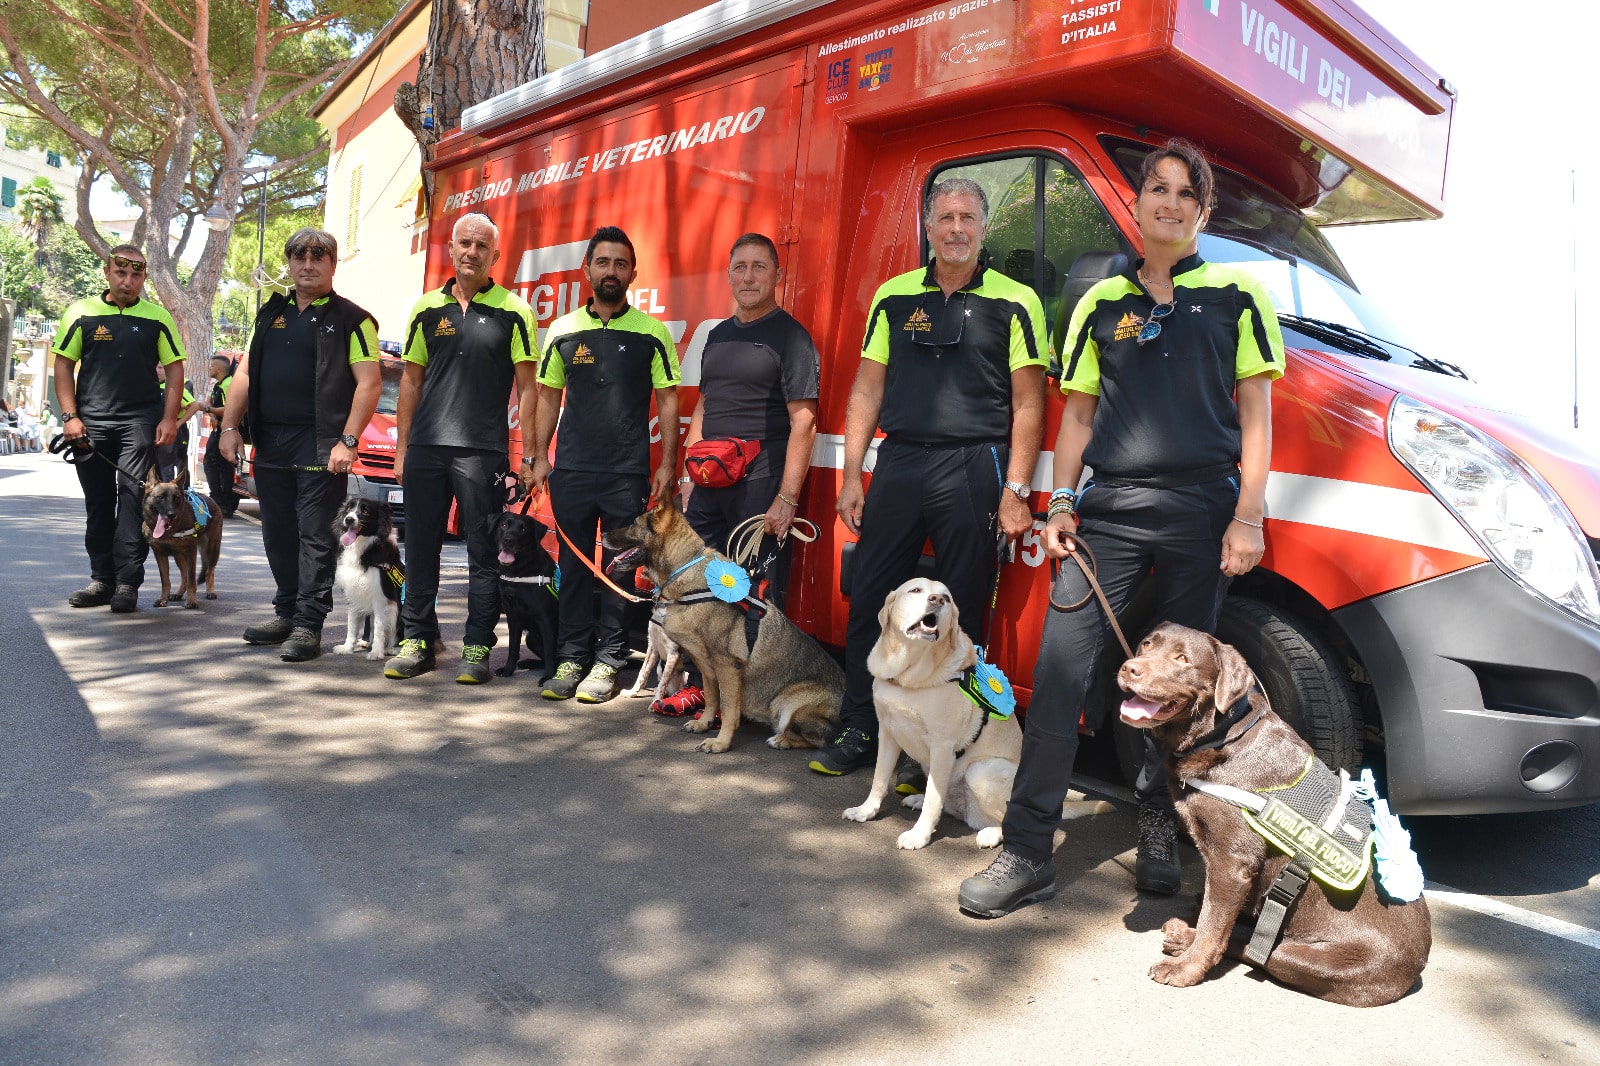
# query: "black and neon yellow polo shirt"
{"points": [[609, 371], [287, 376], [1167, 406], [118, 351], [471, 359], [950, 360]]}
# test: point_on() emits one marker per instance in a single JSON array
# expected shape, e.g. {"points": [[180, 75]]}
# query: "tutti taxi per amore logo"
{"points": [[875, 70]]}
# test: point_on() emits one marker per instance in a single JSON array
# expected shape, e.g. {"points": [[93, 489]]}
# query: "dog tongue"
{"points": [[348, 538], [506, 558], [1137, 709], [160, 528]]}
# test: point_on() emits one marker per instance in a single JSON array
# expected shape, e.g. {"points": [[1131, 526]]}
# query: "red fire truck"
{"points": [[1429, 596]]}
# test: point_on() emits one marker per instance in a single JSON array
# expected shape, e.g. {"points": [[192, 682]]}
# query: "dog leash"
{"points": [[1095, 591], [745, 541], [517, 492], [72, 454]]}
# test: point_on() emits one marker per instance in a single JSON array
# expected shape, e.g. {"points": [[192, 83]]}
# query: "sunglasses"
{"points": [[938, 333], [316, 255], [132, 265], [1152, 326]]}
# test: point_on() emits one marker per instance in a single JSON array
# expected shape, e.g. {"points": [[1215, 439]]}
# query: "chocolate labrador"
{"points": [[1354, 947]]}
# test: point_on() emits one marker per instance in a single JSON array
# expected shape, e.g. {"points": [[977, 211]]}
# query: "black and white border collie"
{"points": [[372, 577]]}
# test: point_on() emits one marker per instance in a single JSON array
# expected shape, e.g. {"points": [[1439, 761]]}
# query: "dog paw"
{"points": [[506, 671], [190, 605], [1176, 936], [1179, 973], [713, 745], [344, 649], [211, 595], [914, 801], [377, 655], [161, 603], [697, 725], [779, 741], [864, 813], [991, 837], [913, 839]]}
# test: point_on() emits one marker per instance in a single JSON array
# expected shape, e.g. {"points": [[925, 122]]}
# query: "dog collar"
{"points": [[1218, 737], [528, 580], [690, 565]]}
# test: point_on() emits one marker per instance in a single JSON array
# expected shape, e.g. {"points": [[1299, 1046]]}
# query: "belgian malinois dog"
{"points": [[173, 530], [784, 679]]}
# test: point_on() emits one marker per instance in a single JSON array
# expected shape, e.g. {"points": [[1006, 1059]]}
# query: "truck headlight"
{"points": [[1506, 506]]}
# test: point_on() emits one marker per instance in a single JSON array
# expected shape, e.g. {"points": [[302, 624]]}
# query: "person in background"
{"points": [[170, 458], [219, 472]]}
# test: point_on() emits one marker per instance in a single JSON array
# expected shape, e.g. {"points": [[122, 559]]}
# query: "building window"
{"points": [[8, 192], [52, 159], [352, 222]]}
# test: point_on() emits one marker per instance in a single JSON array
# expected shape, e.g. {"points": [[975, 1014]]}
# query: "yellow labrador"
{"points": [[969, 757]]}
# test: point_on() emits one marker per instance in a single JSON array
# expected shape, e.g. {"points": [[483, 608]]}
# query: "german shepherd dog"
{"points": [[172, 528], [785, 680], [372, 577], [527, 590]]}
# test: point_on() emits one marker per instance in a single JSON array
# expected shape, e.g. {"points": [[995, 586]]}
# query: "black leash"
{"points": [[81, 450]]}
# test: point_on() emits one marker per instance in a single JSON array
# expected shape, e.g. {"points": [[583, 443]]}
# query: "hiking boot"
{"points": [[125, 600], [850, 750], [564, 682], [94, 594], [274, 632], [685, 701], [416, 657], [909, 780], [1007, 883], [1156, 870], [303, 645], [475, 664], [600, 685]]}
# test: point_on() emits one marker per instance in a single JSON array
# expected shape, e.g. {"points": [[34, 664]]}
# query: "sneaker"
{"points": [[1156, 870], [564, 683], [94, 594], [416, 657], [125, 600], [475, 664], [685, 701], [274, 632], [303, 645], [909, 778], [600, 685], [851, 749], [1007, 883]]}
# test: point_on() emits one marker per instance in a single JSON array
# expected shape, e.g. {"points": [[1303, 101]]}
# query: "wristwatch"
{"points": [[1020, 489], [349, 440]]}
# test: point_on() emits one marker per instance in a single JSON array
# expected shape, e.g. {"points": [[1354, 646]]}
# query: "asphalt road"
{"points": [[211, 856]]}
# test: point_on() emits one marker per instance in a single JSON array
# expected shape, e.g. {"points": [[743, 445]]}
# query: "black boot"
{"points": [[1157, 870]]}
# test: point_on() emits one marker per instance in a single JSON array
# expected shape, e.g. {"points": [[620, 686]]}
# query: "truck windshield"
{"points": [[1311, 290], [389, 398]]}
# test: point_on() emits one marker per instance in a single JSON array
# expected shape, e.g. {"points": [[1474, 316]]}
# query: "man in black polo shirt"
{"points": [[606, 358], [310, 385], [467, 342], [952, 368], [117, 341], [759, 377]]}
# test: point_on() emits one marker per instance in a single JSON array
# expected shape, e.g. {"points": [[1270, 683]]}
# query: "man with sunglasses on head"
{"points": [[309, 385], [117, 342], [952, 370]]}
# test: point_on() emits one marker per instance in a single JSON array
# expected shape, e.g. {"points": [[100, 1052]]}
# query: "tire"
{"points": [[1300, 675]]}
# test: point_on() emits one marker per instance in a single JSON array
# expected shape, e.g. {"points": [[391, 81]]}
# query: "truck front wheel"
{"points": [[1298, 671]]}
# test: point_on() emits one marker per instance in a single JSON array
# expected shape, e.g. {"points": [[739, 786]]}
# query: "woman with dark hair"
{"points": [[1168, 373]]}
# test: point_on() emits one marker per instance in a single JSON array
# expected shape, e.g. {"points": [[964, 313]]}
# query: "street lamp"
{"points": [[220, 218]]}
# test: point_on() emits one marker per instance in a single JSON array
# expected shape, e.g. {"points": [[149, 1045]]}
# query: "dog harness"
{"points": [[990, 691], [1327, 824], [726, 582]]}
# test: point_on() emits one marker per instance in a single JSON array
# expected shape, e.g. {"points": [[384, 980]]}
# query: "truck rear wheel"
{"points": [[1299, 673]]}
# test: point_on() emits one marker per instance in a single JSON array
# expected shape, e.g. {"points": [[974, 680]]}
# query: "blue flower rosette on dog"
{"points": [[987, 685], [727, 581]]}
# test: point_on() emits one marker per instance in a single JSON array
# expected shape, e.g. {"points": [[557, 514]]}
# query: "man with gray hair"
{"points": [[952, 370], [309, 384]]}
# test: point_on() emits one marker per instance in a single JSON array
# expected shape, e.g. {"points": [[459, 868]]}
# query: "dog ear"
{"points": [[152, 479], [888, 604], [183, 478], [1234, 677]]}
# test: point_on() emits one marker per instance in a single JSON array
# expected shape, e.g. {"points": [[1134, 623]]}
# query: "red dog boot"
{"points": [[685, 701]]}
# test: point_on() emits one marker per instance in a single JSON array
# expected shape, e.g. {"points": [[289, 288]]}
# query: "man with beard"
{"points": [[606, 358], [469, 340]]}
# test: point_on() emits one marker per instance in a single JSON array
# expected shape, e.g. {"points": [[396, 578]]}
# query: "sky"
{"points": [[1490, 286]]}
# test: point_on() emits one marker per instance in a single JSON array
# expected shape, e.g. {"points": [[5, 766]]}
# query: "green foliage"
{"points": [[46, 282], [24, 277], [39, 210]]}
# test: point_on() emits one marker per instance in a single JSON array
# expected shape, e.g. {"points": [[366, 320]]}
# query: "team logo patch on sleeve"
{"points": [[583, 356], [445, 328], [1128, 327], [101, 334], [919, 322]]}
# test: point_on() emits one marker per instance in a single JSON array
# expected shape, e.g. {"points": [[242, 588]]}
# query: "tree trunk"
{"points": [[477, 49]]}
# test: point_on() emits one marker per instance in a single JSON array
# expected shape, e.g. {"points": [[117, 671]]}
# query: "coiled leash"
{"points": [[72, 453], [744, 543], [1089, 569]]}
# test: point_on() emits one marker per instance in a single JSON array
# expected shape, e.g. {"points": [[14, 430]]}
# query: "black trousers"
{"points": [[114, 504], [297, 509], [1130, 530], [581, 501], [949, 494], [172, 457], [433, 476], [219, 476]]}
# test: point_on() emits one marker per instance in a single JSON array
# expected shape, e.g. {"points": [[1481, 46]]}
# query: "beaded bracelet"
{"points": [[1247, 522], [1061, 507], [1063, 494]]}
